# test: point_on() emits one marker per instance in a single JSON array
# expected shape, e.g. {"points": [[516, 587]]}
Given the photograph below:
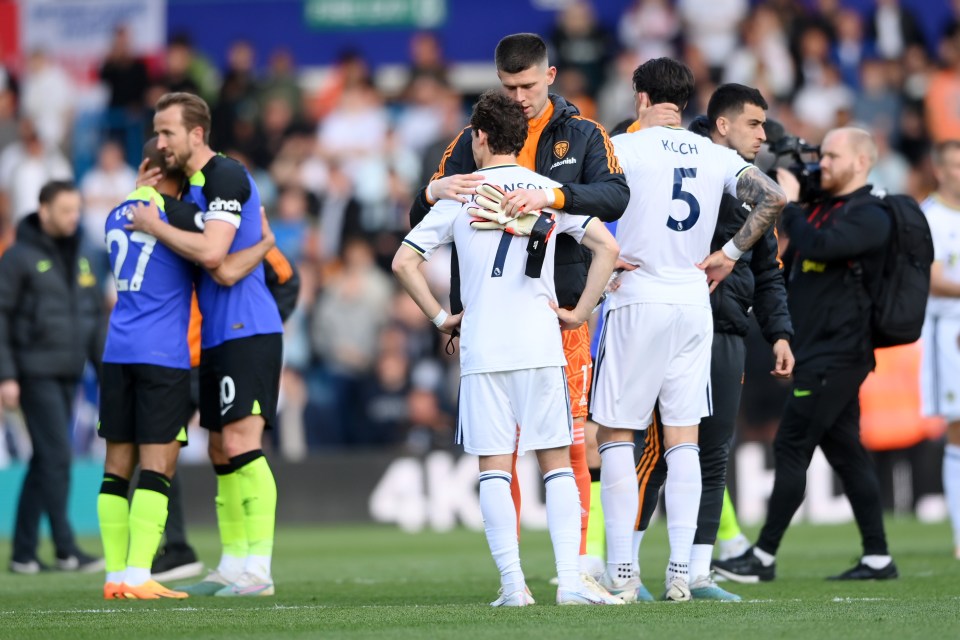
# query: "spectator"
{"points": [[649, 29], [876, 104], [943, 94], [281, 83], [339, 219], [850, 50], [355, 128], [25, 166], [347, 319], [102, 188], [765, 59], [712, 27], [426, 57], [238, 95], [48, 98], [51, 322], [823, 104], [893, 29], [580, 42], [349, 71], [178, 76], [125, 75]]}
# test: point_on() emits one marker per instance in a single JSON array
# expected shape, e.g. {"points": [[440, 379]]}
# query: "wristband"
{"points": [[440, 318], [430, 197], [730, 250], [551, 197]]}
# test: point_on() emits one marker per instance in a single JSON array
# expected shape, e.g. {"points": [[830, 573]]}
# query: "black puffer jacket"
{"points": [[51, 313], [575, 152], [756, 283], [826, 298]]}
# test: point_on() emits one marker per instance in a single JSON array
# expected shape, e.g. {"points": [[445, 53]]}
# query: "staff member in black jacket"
{"points": [[51, 323], [834, 351], [735, 119]]}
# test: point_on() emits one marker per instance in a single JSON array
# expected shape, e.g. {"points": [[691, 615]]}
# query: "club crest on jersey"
{"points": [[560, 148]]}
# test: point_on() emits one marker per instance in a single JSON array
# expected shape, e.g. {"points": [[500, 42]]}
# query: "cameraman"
{"points": [[735, 118], [834, 351]]}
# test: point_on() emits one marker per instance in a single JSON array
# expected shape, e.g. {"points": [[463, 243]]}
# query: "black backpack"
{"points": [[899, 299]]}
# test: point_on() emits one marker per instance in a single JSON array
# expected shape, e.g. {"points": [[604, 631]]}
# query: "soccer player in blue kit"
{"points": [[145, 397], [241, 343]]}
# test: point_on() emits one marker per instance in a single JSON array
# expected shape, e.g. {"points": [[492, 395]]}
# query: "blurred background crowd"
{"points": [[338, 156]]}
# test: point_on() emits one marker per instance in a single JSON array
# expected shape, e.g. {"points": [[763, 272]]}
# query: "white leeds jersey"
{"points": [[676, 179], [944, 224], [507, 322]]}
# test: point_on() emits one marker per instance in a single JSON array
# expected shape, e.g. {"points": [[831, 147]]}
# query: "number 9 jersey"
{"points": [[676, 180], [149, 322]]}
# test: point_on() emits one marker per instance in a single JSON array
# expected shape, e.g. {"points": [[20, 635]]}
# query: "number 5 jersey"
{"points": [[676, 180]]}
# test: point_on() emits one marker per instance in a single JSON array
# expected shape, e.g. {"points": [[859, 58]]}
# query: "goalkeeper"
{"points": [[573, 151]]}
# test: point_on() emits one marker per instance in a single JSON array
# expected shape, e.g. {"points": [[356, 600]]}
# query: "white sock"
{"points": [[116, 576], [951, 487], [766, 559], [136, 576], [231, 567], [618, 492], [500, 525], [876, 562], [637, 539], [682, 499], [563, 520], [700, 556], [258, 566]]}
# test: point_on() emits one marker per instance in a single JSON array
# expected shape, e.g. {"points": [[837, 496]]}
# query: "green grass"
{"points": [[376, 582]]}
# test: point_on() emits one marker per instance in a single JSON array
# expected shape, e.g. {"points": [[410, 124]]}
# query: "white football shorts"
{"points": [[940, 368], [652, 353], [493, 405]]}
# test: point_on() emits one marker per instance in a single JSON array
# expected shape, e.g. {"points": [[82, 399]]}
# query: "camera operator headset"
{"points": [[833, 347]]}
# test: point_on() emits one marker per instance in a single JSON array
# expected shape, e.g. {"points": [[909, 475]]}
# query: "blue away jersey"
{"points": [[224, 190], [150, 320]]}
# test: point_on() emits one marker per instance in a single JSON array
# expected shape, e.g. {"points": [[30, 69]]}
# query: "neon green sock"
{"points": [[113, 511], [259, 505], [596, 534], [729, 527], [230, 518], [148, 518]]}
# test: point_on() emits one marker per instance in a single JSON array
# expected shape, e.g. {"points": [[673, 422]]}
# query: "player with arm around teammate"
{"points": [[735, 119], [241, 324], [570, 150], [145, 399], [506, 382], [657, 337]]}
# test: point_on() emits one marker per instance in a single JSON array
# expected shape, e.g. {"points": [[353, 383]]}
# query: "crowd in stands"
{"points": [[337, 165]]}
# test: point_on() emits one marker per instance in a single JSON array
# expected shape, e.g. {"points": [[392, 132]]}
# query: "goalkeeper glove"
{"points": [[521, 226], [489, 201]]}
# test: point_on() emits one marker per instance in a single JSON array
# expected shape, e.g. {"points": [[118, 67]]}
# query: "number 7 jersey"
{"points": [[507, 321], [676, 180]]}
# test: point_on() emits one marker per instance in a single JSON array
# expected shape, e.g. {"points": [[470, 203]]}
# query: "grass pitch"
{"points": [[376, 582]]}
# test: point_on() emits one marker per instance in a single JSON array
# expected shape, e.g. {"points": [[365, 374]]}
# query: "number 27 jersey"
{"points": [[149, 323], [676, 179]]}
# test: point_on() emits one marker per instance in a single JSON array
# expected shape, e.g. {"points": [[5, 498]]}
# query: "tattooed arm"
{"points": [[766, 199]]}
